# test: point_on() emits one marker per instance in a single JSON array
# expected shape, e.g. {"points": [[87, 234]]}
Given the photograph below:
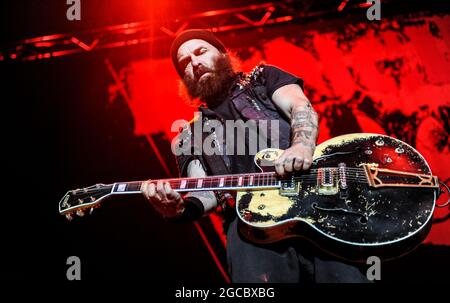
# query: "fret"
{"points": [[221, 182], [227, 182], [240, 181], [205, 183], [135, 186], [251, 180], [233, 182], [188, 185], [214, 183]]}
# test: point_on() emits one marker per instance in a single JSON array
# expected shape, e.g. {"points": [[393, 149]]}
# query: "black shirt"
{"points": [[274, 79]]}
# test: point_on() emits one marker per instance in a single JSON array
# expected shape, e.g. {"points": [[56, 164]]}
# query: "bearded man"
{"points": [[223, 94]]}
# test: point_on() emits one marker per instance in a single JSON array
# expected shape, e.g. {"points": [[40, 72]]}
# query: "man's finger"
{"points": [[151, 190], [288, 164], [144, 189], [170, 193], [279, 169], [279, 161], [279, 164], [298, 163], [307, 163], [160, 190]]}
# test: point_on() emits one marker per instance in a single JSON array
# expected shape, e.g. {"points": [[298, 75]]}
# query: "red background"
{"points": [[389, 78]]}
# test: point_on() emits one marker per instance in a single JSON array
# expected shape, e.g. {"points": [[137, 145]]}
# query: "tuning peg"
{"points": [[69, 217], [80, 213]]}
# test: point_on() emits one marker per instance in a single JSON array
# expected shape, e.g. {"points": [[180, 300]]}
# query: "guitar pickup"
{"points": [[327, 181], [289, 187], [343, 186]]}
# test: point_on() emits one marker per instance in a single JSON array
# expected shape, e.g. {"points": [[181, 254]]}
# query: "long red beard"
{"points": [[213, 88]]}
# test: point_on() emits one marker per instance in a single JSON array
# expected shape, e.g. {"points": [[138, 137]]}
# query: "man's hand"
{"points": [[295, 158], [291, 100], [166, 201]]}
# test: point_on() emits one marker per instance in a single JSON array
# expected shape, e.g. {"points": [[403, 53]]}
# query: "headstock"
{"points": [[78, 200]]}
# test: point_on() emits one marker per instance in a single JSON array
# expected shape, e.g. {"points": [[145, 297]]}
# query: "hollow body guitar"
{"points": [[364, 195]]}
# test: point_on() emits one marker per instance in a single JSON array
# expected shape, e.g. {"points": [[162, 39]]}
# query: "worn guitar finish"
{"points": [[365, 194], [347, 204]]}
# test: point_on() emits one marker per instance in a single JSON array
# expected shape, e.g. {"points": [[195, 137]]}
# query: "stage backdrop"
{"points": [[390, 77]]}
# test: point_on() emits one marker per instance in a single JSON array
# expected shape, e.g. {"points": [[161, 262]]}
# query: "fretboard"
{"points": [[224, 182]]}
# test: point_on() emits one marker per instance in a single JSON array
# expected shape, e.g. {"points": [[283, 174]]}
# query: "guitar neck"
{"points": [[224, 182]]}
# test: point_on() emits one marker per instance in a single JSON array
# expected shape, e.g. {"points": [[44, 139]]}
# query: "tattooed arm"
{"points": [[291, 100], [169, 203]]}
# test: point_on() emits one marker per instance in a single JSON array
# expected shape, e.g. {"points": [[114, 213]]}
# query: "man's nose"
{"points": [[195, 61]]}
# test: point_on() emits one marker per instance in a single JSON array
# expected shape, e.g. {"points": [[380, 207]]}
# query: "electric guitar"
{"points": [[365, 194]]}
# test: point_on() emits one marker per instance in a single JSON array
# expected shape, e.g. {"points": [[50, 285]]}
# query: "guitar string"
{"points": [[261, 179], [258, 178], [262, 183]]}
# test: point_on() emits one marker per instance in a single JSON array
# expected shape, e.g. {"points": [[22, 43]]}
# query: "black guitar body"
{"points": [[356, 211]]}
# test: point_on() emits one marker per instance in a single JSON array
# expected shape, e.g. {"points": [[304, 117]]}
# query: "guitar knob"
{"points": [[69, 217], [80, 213], [379, 142]]}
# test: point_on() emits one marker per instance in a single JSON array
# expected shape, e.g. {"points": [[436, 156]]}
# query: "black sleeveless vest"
{"points": [[249, 98]]}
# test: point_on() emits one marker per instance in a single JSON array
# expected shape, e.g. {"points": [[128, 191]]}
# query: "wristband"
{"points": [[193, 210]]}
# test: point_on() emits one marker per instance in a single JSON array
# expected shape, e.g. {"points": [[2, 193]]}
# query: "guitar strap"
{"points": [[216, 163]]}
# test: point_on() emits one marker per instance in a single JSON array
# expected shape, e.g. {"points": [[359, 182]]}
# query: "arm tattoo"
{"points": [[304, 125]]}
